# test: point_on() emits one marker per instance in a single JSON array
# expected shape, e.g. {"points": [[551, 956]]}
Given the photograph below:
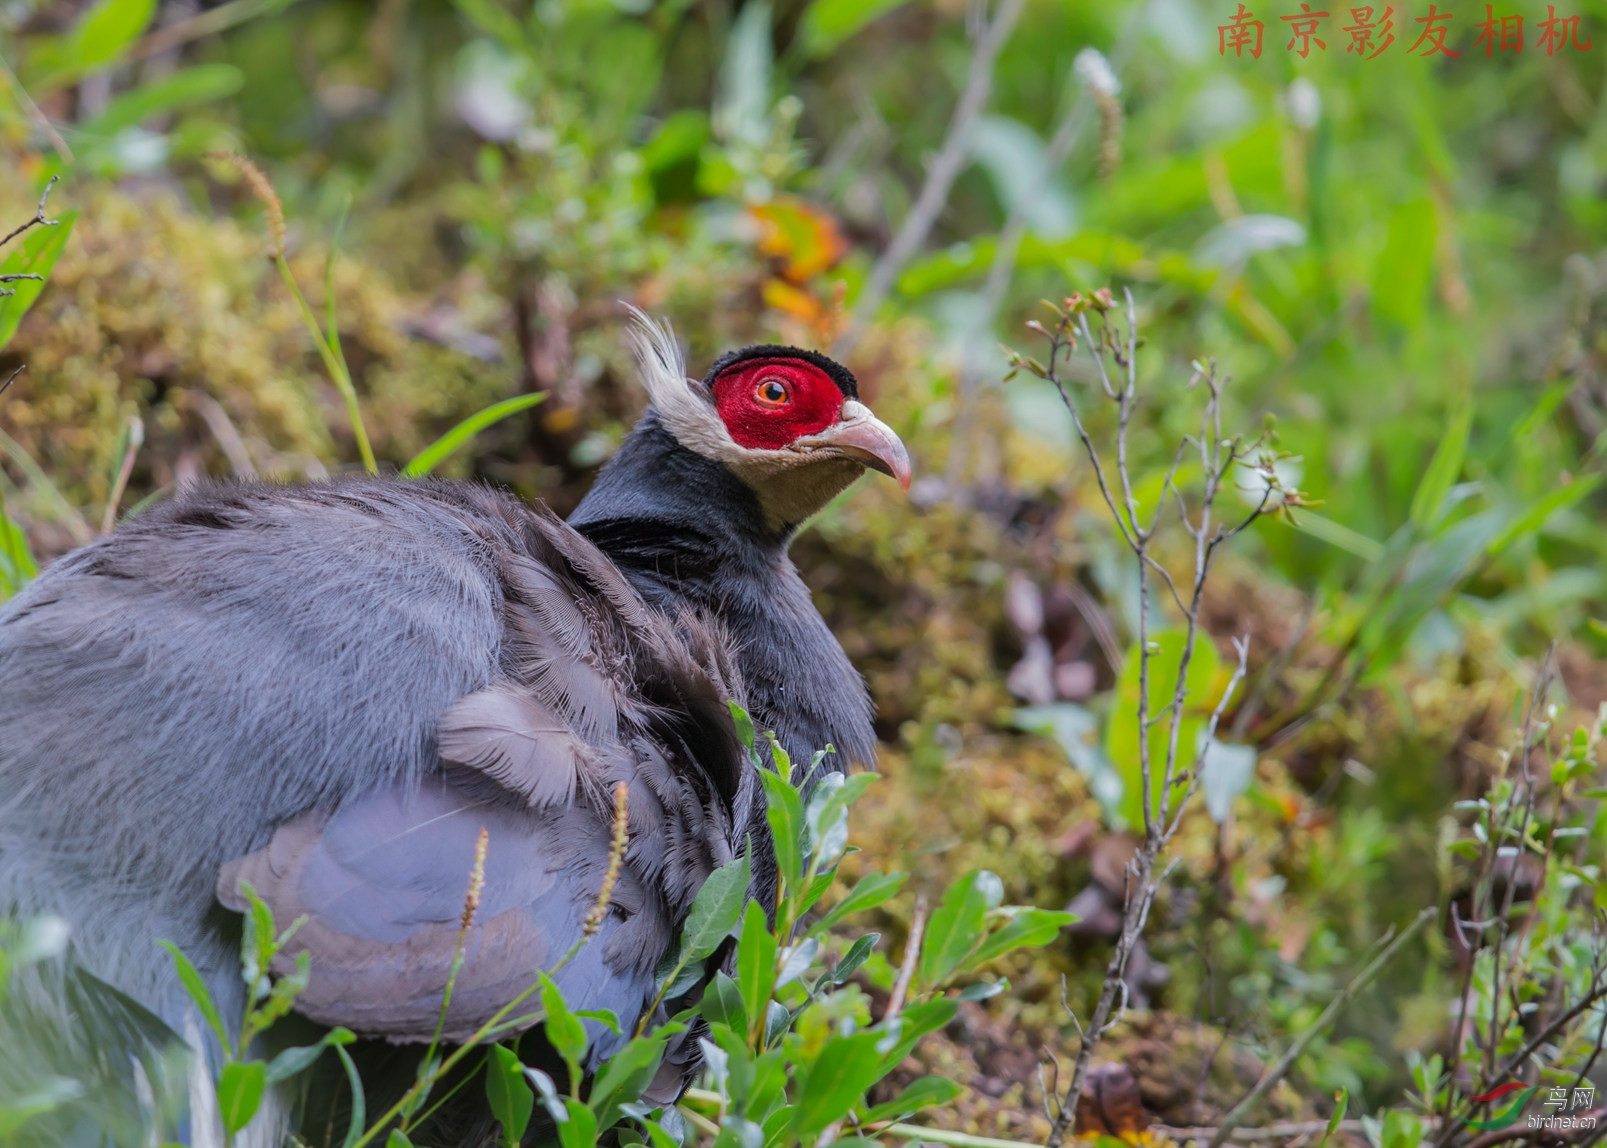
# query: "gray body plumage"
{"points": [[282, 683], [175, 691]]}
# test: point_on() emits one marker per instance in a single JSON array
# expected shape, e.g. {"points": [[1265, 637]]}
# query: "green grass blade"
{"points": [[17, 566], [196, 988], [1337, 534], [442, 448], [354, 1128], [331, 327], [1442, 469], [335, 365], [1536, 516]]}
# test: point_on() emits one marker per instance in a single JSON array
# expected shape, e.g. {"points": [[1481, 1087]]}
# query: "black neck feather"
{"points": [[688, 532]]}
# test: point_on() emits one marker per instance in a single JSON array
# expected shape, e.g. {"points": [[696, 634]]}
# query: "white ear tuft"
{"points": [[658, 355], [687, 410]]}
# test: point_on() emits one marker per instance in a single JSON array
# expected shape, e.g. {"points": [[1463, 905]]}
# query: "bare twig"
{"points": [[940, 176], [12, 377], [1484, 912], [912, 952], [38, 220], [228, 435], [1277, 1072]]}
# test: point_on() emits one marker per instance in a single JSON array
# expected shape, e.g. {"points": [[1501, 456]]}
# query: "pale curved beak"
{"points": [[862, 436]]}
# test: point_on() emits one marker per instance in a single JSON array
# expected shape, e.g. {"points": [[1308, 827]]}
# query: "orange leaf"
{"points": [[783, 296], [800, 235]]}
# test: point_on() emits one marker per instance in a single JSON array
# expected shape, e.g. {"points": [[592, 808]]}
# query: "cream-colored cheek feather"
{"points": [[791, 485]]}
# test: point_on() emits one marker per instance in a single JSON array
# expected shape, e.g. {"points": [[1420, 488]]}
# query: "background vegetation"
{"points": [[1401, 263]]}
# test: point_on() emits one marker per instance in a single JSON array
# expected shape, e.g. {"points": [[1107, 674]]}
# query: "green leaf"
{"points": [[916, 1021], [767, 1090], [777, 1020], [627, 1073], [678, 140], [35, 254], [605, 1017], [1026, 928], [293, 1060], [784, 811], [1442, 469], [359, 1105], [41, 938], [580, 1130], [98, 38], [744, 724], [722, 1004], [507, 1092], [187, 87], [196, 987], [756, 962], [1401, 1130], [438, 451], [957, 925], [982, 990], [107, 28], [1405, 267], [563, 1028], [856, 955], [240, 1090], [871, 890], [1337, 534], [492, 18], [715, 911], [398, 1139], [923, 1093], [1341, 1102], [794, 962], [827, 23], [1536, 516], [836, 1080], [816, 890], [826, 815]]}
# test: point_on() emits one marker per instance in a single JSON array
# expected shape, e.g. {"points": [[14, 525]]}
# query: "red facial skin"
{"points": [[768, 403]]}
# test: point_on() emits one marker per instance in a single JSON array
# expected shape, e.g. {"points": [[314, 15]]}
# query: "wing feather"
{"points": [[591, 688], [517, 742]]}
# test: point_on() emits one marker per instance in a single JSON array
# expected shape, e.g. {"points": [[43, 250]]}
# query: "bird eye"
{"points": [[772, 393]]}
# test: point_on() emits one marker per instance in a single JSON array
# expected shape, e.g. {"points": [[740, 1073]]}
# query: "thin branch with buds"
{"points": [[38, 220], [1094, 322]]}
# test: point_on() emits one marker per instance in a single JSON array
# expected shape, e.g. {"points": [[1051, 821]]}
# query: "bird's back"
{"points": [[246, 656]]}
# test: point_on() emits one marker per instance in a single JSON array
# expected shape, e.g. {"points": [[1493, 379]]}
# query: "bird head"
{"points": [[786, 421]]}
